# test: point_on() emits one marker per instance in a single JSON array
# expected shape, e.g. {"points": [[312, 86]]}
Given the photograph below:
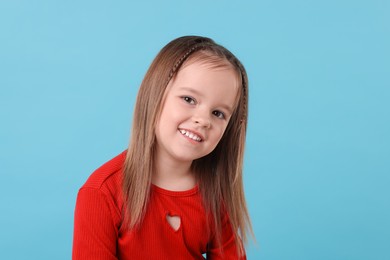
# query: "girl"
{"points": [[177, 192]]}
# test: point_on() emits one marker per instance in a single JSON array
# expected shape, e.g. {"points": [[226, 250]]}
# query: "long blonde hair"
{"points": [[219, 173]]}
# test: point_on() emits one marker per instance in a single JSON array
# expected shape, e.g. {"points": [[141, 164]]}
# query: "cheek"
{"points": [[166, 116], [170, 110], [221, 131], [168, 121]]}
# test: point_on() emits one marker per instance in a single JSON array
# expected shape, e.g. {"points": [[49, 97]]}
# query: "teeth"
{"points": [[190, 135]]}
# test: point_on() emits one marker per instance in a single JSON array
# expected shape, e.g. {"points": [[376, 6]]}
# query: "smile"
{"points": [[190, 135]]}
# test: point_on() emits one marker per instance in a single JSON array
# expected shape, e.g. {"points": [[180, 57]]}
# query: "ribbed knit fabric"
{"points": [[99, 233]]}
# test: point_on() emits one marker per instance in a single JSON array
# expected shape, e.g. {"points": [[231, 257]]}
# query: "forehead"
{"points": [[219, 83], [209, 61], [212, 61], [207, 67]]}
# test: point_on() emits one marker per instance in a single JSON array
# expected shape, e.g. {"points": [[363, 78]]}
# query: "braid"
{"points": [[244, 89], [182, 59]]}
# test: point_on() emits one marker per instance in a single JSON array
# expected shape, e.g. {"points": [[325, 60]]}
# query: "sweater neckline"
{"points": [[172, 193]]}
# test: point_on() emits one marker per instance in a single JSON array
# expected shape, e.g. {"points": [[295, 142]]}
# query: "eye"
{"points": [[189, 100], [219, 114]]}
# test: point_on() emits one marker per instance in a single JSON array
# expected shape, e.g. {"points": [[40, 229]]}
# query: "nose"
{"points": [[202, 119]]}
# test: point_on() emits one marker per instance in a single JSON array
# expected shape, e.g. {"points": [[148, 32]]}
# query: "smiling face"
{"points": [[198, 105]]}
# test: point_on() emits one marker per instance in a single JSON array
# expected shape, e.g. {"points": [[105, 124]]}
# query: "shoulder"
{"points": [[107, 181], [109, 172], [98, 211]]}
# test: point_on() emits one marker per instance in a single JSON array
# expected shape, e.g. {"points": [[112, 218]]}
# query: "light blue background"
{"points": [[317, 171]]}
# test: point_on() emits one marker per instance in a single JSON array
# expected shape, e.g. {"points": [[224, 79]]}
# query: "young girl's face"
{"points": [[199, 103]]}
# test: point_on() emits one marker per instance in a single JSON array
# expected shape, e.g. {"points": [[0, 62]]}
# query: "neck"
{"points": [[173, 175]]}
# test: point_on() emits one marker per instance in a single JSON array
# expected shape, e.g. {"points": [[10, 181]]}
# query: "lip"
{"points": [[194, 132]]}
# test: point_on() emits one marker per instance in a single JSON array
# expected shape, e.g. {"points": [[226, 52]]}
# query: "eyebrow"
{"points": [[196, 92]]}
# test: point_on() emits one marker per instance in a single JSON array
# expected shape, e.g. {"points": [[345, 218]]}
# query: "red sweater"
{"points": [[99, 233]]}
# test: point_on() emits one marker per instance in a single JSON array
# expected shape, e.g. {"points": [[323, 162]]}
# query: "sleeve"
{"points": [[227, 250], [95, 234]]}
